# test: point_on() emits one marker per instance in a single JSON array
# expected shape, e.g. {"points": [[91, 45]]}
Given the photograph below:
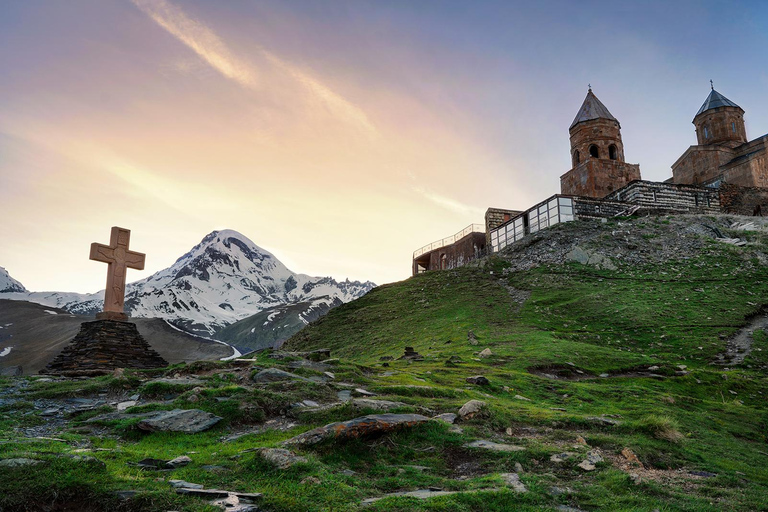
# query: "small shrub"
{"points": [[660, 427]]}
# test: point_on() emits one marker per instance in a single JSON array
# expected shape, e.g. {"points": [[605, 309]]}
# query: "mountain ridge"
{"points": [[221, 280]]}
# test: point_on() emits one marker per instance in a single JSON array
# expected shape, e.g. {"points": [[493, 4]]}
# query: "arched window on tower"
{"points": [[576, 158], [593, 152], [612, 152]]}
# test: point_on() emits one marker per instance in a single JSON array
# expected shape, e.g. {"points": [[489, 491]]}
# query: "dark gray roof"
{"points": [[592, 108], [714, 100]]}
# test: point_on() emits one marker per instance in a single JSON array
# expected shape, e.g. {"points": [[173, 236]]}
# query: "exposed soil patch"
{"points": [[462, 463], [561, 372], [574, 373], [740, 345]]}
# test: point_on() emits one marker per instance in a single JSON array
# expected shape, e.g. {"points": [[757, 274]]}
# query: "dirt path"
{"points": [[740, 345]]}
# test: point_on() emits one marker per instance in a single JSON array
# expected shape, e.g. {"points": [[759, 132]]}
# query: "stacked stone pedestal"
{"points": [[102, 346]]}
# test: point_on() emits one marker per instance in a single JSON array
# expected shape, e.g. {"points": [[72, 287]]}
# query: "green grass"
{"points": [[620, 323]]}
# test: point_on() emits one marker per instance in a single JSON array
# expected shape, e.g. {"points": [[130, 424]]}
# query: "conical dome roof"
{"points": [[592, 108], [715, 100]]}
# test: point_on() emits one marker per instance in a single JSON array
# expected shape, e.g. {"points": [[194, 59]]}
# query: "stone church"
{"points": [[723, 172]]}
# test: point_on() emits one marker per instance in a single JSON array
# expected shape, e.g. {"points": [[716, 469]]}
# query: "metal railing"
{"points": [[472, 228]]}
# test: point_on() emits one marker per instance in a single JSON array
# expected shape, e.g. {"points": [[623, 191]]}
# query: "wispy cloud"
{"points": [[199, 38], [210, 47], [447, 202]]}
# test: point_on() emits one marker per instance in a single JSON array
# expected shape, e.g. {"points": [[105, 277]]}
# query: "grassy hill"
{"points": [[639, 342]]}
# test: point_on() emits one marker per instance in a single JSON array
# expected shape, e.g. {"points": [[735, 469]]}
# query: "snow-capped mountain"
{"points": [[9, 284], [223, 279]]}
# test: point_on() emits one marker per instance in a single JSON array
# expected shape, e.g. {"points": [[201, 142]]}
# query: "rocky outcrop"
{"points": [[189, 421], [359, 427]]}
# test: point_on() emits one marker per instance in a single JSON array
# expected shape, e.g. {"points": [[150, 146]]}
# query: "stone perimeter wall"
{"points": [[651, 195]]}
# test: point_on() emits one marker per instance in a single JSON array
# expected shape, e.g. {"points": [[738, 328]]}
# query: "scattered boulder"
{"points": [[630, 456], [520, 397], [276, 375], [494, 447], [593, 258], [561, 457], [178, 381], [471, 409], [478, 380], [593, 457], [189, 421], [313, 355], [179, 462], [447, 417], [281, 457], [177, 484], [603, 420], [412, 355], [362, 392], [512, 480], [122, 406], [11, 371], [485, 353], [359, 427], [471, 338], [304, 363]]}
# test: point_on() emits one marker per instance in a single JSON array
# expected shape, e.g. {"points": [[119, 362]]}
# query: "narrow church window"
{"points": [[576, 158], [593, 151], [733, 127], [443, 262], [612, 152], [706, 132], [654, 197]]}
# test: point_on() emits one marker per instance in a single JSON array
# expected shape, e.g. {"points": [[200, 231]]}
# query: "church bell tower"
{"points": [[597, 153]]}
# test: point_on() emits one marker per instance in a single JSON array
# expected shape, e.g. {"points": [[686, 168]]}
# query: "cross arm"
{"points": [[103, 253], [135, 260]]}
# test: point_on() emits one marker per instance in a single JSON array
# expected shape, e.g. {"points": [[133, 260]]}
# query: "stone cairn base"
{"points": [[102, 346]]}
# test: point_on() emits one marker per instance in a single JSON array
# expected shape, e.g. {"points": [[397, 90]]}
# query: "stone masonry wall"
{"points": [[457, 254], [700, 163], [743, 200], [652, 195], [598, 177]]}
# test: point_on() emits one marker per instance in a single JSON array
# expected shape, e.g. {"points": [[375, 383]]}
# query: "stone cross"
{"points": [[117, 255]]}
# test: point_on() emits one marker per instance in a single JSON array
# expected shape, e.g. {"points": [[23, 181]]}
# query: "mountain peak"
{"points": [[9, 284]]}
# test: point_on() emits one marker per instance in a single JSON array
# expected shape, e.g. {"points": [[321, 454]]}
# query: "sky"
{"points": [[339, 135]]}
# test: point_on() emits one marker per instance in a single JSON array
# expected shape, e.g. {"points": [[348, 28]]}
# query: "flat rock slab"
{"points": [[379, 405], [281, 457], [312, 365], [189, 421], [447, 417], [182, 484], [19, 462], [422, 494], [359, 427], [495, 447], [512, 480], [217, 493], [181, 381], [276, 375]]}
